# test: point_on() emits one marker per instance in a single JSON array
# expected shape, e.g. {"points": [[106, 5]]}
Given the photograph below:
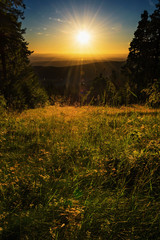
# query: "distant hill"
{"points": [[70, 76], [71, 60]]}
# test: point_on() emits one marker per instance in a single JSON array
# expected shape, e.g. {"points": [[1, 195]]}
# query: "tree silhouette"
{"points": [[14, 62], [138, 58], [155, 41], [10, 32], [143, 62]]}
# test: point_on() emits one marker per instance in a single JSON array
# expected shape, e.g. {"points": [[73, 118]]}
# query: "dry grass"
{"points": [[71, 112], [80, 173]]}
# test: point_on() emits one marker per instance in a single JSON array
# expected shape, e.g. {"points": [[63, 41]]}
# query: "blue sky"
{"points": [[115, 19]]}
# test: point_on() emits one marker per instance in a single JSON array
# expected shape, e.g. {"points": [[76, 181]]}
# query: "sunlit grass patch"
{"points": [[80, 173], [77, 112]]}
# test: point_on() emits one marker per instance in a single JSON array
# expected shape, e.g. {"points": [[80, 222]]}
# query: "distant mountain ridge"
{"points": [[57, 79], [62, 60]]}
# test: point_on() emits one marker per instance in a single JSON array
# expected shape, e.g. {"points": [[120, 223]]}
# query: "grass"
{"points": [[80, 173]]}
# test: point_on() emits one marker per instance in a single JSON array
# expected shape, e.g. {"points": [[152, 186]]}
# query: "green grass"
{"points": [[80, 173]]}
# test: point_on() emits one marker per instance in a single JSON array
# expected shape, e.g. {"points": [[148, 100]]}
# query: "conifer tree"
{"points": [[143, 62], [10, 32], [15, 71], [138, 58], [155, 42]]}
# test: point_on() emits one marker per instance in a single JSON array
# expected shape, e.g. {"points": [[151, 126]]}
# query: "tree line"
{"points": [[140, 76]]}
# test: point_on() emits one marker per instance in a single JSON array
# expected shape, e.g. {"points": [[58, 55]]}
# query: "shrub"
{"points": [[153, 93]]}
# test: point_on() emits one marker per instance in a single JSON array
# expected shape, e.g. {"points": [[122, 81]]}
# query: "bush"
{"points": [[25, 91], [2, 104], [153, 93]]}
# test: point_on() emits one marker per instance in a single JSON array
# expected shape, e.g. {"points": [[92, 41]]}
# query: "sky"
{"points": [[54, 26]]}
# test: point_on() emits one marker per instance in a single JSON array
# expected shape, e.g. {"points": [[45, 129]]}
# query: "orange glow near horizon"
{"points": [[80, 35]]}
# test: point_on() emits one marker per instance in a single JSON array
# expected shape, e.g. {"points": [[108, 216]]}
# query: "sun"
{"points": [[83, 37]]}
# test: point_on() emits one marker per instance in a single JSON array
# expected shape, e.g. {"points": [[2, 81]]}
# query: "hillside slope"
{"points": [[80, 173]]}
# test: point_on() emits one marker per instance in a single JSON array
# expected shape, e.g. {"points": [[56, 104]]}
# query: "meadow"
{"points": [[80, 173]]}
